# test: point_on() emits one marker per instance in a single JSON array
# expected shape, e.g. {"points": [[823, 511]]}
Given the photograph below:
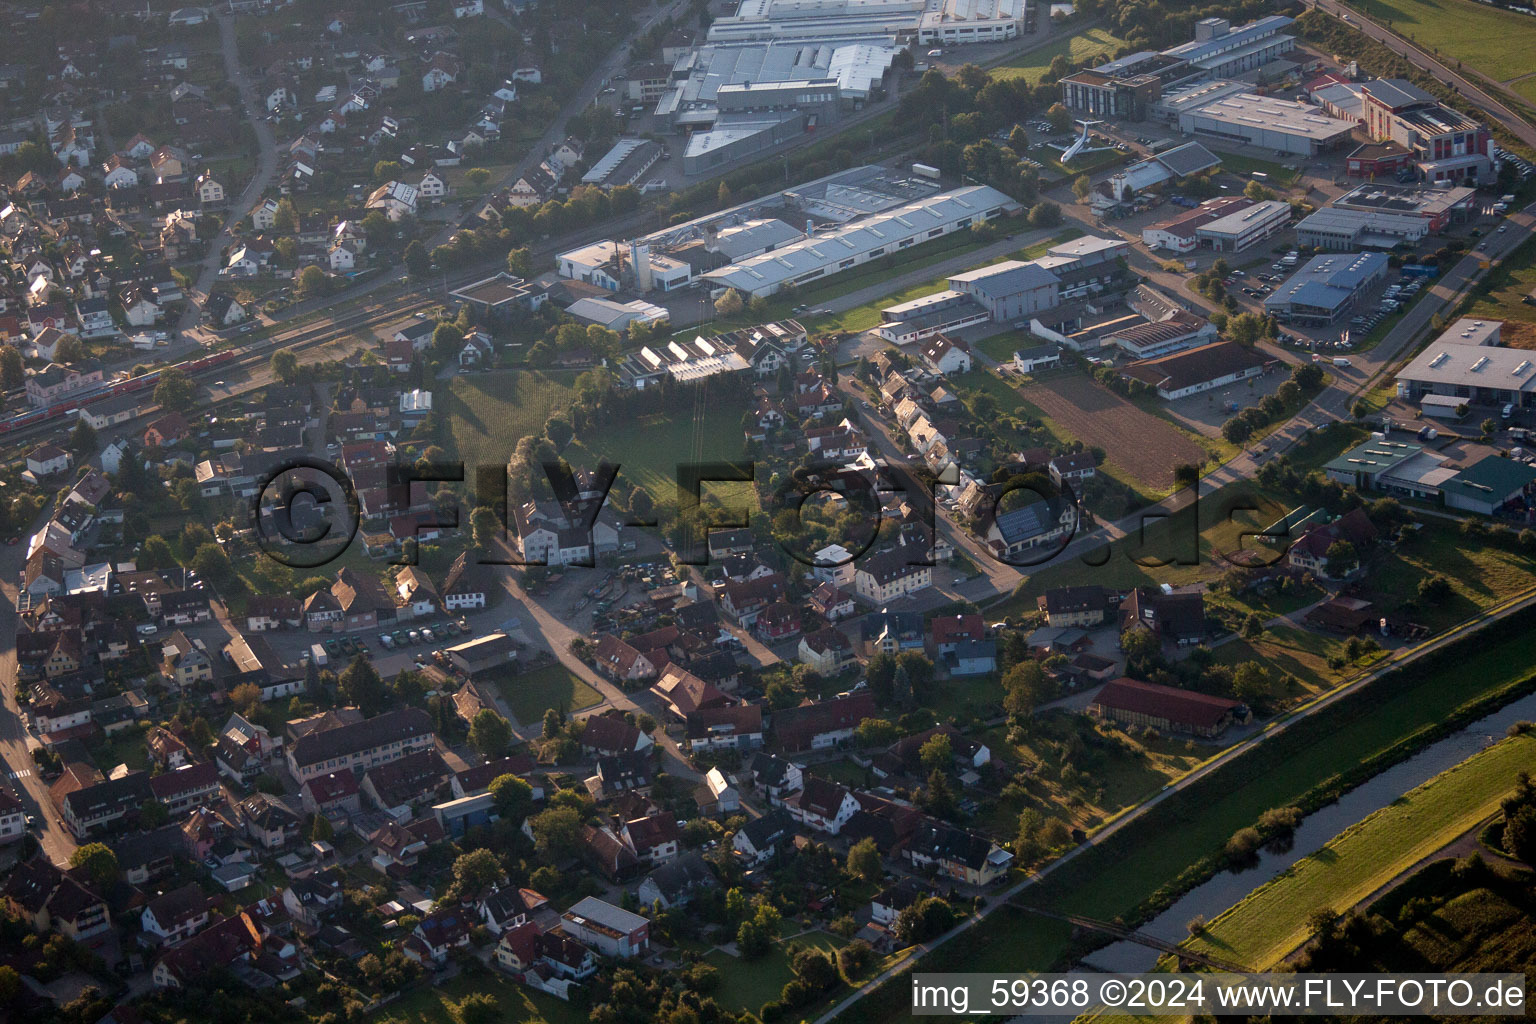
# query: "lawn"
{"points": [[1095, 44], [488, 413], [648, 451], [748, 984], [518, 1004], [529, 694], [1272, 921], [125, 747], [1244, 165], [1481, 575], [1497, 43], [1507, 286]]}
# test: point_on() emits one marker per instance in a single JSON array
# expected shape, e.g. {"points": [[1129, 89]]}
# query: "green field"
{"points": [[1244, 165], [529, 694], [488, 413], [1508, 285], [1272, 921], [649, 450], [1096, 44], [1497, 43], [747, 985]]}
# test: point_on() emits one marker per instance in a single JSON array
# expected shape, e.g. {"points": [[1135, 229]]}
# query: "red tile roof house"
{"points": [[438, 933], [779, 621], [1167, 708], [822, 805], [332, 795], [736, 727], [177, 915], [946, 632], [621, 662], [822, 725], [681, 693], [166, 430], [611, 735]]}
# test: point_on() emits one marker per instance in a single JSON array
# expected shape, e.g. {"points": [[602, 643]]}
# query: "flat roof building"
{"points": [[624, 164], [1242, 229], [1221, 51], [1326, 287], [1465, 362], [831, 252], [1252, 120]]}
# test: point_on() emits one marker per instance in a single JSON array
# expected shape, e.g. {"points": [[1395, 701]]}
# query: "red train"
{"points": [[130, 386]]}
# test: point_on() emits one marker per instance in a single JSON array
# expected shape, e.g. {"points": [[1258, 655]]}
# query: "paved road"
{"points": [[266, 166], [1517, 125], [16, 765], [1008, 894]]}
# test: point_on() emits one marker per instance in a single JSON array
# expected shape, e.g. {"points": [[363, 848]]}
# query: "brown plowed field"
{"points": [[1149, 448]]}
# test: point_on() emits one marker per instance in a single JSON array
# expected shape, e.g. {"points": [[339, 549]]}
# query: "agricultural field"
{"points": [[488, 413], [1497, 43], [1147, 447], [1096, 44], [1272, 921]]}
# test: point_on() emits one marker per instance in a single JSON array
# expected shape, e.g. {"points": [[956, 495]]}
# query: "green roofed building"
{"points": [[1488, 485], [1364, 464]]}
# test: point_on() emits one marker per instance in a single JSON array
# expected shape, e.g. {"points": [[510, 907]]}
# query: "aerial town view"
{"points": [[765, 511]]}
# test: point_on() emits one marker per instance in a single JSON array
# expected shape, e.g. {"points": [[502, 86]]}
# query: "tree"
{"points": [[83, 440], [97, 861], [474, 873], [864, 860], [447, 340], [246, 697], [854, 959], [475, 1008], [1025, 687], [923, 920], [153, 814], [1340, 559], [285, 365], [512, 797], [1251, 684], [520, 262], [485, 527], [641, 507], [490, 734], [815, 969], [311, 281], [559, 432], [156, 554], [730, 304], [477, 175], [387, 170], [175, 391], [320, 830], [210, 562], [556, 831], [1434, 589], [1257, 192], [1027, 843], [1044, 214], [937, 752], [13, 370], [287, 250], [361, 685], [723, 195], [1520, 833], [1059, 117], [1081, 186], [1253, 626], [285, 219], [418, 262], [552, 723]]}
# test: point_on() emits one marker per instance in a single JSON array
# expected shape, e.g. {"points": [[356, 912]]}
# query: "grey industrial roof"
{"points": [[1007, 278]]}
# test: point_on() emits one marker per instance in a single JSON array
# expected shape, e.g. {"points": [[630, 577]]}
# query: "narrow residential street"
{"points": [[266, 170], [16, 764]]}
